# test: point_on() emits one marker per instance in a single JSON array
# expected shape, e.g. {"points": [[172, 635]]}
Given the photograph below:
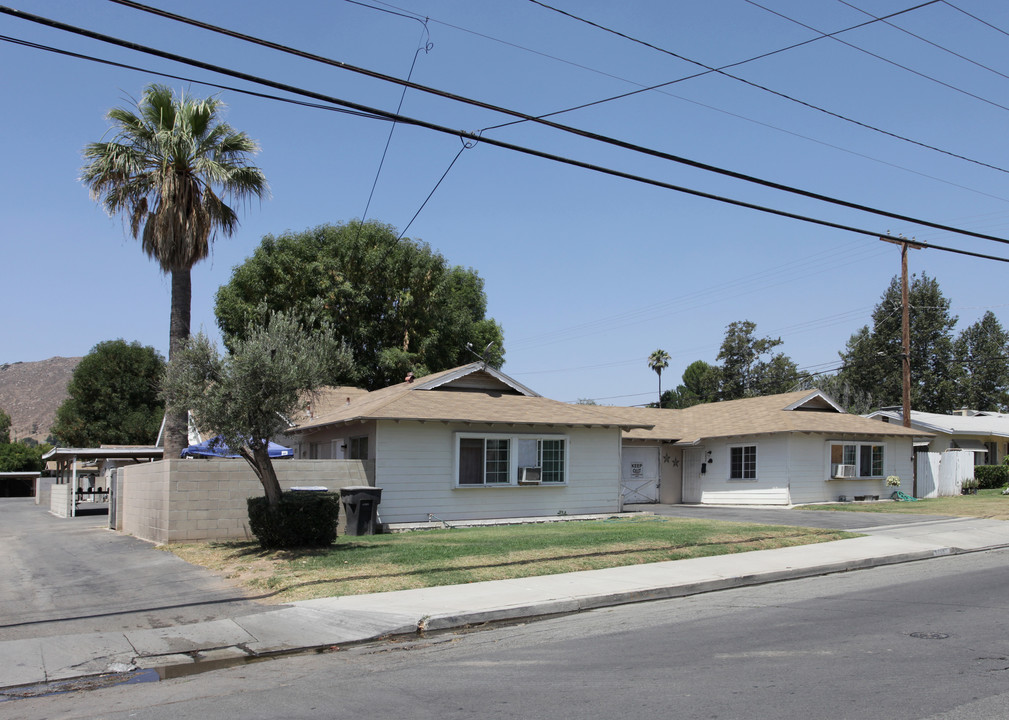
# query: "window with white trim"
{"points": [[856, 460], [743, 462], [496, 459]]}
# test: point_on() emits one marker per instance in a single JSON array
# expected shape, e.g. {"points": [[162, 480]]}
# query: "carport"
{"points": [[69, 491], [18, 484]]}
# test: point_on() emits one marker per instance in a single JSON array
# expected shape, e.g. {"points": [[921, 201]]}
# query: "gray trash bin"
{"points": [[360, 507]]}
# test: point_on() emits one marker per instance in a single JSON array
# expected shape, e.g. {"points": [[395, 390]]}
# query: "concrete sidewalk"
{"points": [[317, 624]]}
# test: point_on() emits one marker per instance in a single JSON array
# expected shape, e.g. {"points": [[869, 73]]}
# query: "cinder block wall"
{"points": [[61, 500], [196, 500]]}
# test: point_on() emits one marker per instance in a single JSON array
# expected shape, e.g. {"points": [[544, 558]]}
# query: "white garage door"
{"points": [[639, 479]]}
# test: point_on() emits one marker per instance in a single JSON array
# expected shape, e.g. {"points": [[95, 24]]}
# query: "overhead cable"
{"points": [[925, 40], [887, 60], [517, 148], [778, 93], [488, 106]]}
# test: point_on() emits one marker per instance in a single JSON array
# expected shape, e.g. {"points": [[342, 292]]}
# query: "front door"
{"points": [[692, 460], [639, 477]]}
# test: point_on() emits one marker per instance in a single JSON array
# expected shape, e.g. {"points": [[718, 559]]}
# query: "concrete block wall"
{"points": [[199, 500], [61, 500], [43, 490]]}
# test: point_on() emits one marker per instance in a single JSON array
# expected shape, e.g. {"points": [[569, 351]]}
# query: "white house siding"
{"points": [[329, 441], [415, 467], [810, 468], [769, 488]]}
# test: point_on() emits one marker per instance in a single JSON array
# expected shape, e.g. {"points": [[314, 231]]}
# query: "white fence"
{"points": [[941, 474]]}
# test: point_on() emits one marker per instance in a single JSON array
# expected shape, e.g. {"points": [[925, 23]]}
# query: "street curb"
{"points": [[573, 605], [560, 606]]}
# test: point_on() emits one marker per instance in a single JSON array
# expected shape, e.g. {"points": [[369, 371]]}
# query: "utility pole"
{"points": [[905, 338], [905, 327]]}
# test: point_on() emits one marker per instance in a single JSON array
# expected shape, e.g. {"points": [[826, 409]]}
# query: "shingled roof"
{"points": [[472, 393], [805, 411]]}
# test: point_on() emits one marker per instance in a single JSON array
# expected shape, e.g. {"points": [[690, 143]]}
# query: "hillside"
{"points": [[30, 392]]}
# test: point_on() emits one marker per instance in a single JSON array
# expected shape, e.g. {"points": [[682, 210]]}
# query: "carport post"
{"points": [[73, 488]]}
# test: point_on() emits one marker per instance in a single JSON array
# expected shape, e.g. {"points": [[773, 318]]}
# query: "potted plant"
{"points": [[892, 481], [969, 486]]}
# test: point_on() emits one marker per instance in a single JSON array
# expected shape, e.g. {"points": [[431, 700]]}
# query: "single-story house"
{"points": [[472, 443], [793, 448], [984, 434]]}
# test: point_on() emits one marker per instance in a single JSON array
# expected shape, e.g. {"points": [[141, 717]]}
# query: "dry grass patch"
{"points": [[990, 504], [381, 563]]}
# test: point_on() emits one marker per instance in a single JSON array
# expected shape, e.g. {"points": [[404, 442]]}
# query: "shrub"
{"points": [[991, 477], [302, 519]]}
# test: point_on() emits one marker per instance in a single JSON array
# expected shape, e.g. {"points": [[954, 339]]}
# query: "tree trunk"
{"points": [[177, 423], [262, 465]]}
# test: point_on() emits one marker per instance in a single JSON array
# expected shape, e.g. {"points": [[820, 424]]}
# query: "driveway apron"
{"points": [[62, 576]]}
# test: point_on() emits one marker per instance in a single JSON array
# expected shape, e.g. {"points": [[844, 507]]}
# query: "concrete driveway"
{"points": [[830, 520], [62, 576]]}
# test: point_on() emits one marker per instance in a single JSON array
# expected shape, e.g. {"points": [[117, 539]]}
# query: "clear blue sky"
{"points": [[587, 273]]}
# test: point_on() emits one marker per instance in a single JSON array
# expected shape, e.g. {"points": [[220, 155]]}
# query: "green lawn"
{"points": [[986, 504], [355, 565]]}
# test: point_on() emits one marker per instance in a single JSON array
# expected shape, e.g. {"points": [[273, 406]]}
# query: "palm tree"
{"points": [[168, 170], [659, 361]]}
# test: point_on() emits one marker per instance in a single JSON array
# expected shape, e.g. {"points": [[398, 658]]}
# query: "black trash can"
{"points": [[360, 507]]}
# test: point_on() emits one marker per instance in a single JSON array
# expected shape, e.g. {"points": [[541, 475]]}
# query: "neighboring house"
{"points": [[792, 448], [984, 434], [473, 443]]}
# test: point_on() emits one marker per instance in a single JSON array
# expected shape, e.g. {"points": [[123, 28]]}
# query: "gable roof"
{"points": [[805, 411], [994, 424], [472, 393]]}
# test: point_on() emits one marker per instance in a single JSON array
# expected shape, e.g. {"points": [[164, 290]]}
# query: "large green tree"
{"points": [[982, 372], [20, 457], [171, 169], [749, 369], [246, 394], [113, 397], [702, 383], [872, 357], [397, 304]]}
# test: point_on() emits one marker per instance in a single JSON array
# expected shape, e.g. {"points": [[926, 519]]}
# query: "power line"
{"points": [[183, 78], [659, 89], [512, 146], [778, 93], [884, 59], [426, 47], [927, 41], [975, 17], [496, 108], [708, 70]]}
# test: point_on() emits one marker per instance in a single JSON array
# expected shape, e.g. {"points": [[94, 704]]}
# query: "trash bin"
{"points": [[360, 507]]}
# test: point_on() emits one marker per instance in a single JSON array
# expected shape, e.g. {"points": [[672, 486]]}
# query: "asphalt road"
{"points": [[924, 640], [68, 576]]}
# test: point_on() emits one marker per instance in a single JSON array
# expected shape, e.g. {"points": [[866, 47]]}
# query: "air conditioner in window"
{"points": [[842, 471], [530, 475]]}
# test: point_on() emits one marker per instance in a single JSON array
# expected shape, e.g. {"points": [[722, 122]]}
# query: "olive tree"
{"points": [[247, 394]]}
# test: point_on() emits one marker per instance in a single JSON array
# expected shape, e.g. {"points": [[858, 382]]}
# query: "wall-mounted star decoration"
{"points": [[665, 458], [676, 462]]}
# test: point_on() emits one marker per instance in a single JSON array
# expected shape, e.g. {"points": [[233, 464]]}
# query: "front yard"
{"points": [[380, 563], [986, 504]]}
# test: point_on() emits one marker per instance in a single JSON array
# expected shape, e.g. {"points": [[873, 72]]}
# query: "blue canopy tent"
{"points": [[215, 447]]}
